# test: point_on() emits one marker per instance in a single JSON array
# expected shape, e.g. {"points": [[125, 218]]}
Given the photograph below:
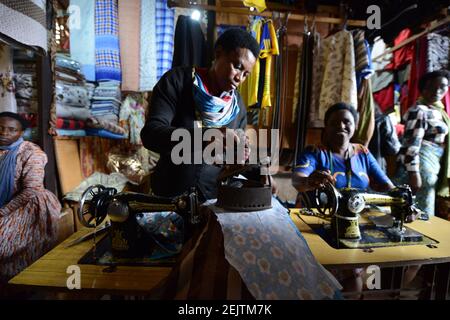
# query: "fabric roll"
{"points": [[82, 38], [147, 62], [165, 31], [7, 87], [107, 50], [190, 44], [68, 112], [129, 31], [103, 133]]}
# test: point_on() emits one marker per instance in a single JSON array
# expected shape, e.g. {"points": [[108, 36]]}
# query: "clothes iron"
{"points": [[128, 238]]}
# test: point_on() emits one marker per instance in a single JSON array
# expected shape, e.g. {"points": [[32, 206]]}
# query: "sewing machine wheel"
{"points": [[327, 200], [92, 199]]}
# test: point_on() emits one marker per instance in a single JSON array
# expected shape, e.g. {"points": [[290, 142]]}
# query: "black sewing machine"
{"points": [[344, 206], [128, 238]]}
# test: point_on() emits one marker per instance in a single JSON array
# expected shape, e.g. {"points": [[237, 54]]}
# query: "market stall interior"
{"points": [[102, 88]]}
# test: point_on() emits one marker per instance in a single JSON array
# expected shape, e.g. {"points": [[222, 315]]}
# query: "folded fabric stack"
{"points": [[25, 81], [73, 97], [105, 109]]}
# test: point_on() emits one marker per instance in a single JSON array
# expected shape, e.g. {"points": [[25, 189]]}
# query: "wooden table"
{"points": [[396, 256], [50, 271]]}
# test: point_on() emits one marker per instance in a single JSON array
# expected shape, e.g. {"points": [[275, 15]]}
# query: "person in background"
{"points": [[191, 97], [424, 155], [28, 212], [343, 164]]}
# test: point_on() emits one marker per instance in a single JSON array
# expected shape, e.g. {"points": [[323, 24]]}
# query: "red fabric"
{"points": [[418, 68], [405, 54], [69, 124], [385, 98], [400, 129], [446, 102]]}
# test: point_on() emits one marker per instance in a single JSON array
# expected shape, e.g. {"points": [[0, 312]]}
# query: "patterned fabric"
{"points": [[107, 53], [364, 168], [129, 27], [71, 95], [28, 221], [272, 257], [363, 61], [164, 37], [7, 87], [82, 39], [422, 123], [438, 52], [69, 112], [213, 111], [24, 21], [338, 80], [132, 118], [69, 124], [206, 270], [147, 62], [430, 163], [7, 171], [317, 70]]}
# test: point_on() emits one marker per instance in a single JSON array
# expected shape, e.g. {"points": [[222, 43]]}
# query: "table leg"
{"points": [[442, 279]]}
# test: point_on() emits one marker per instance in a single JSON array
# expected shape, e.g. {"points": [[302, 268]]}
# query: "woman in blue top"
{"points": [[342, 163], [338, 161]]}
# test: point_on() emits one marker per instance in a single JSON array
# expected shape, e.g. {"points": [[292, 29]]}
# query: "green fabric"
{"points": [[365, 126], [443, 186]]}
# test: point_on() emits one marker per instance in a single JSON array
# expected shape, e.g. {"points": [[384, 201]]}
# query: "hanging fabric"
{"points": [[190, 44], [438, 52], [147, 61], [317, 70], [366, 110], [82, 38], [107, 52], [7, 88], [130, 45], [165, 32]]}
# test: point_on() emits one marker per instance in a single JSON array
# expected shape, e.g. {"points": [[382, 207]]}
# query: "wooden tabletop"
{"points": [[436, 228], [50, 271]]}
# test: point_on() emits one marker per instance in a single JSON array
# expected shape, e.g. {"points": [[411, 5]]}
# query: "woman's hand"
{"points": [[415, 181], [318, 179]]}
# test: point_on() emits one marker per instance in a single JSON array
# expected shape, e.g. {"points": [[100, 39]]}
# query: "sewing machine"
{"points": [[344, 206], [128, 238]]}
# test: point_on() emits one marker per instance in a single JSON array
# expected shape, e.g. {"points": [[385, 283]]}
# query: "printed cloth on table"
{"points": [[272, 257]]}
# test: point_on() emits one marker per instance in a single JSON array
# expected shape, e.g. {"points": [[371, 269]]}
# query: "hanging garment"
{"points": [[129, 35], [338, 80], [82, 37], [418, 69], [260, 5], [7, 87], [132, 118], [382, 77], [107, 52], [363, 61], [147, 62], [438, 52], [165, 32], [268, 49], [385, 98], [364, 129], [249, 89], [25, 21], [405, 54], [317, 70], [190, 44]]}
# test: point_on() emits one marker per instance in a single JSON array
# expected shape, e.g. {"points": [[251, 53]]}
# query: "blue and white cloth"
{"points": [[148, 51], [107, 53], [165, 31]]}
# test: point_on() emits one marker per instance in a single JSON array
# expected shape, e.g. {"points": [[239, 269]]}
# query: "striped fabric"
{"points": [[69, 124], [363, 63], [107, 55], [165, 32]]}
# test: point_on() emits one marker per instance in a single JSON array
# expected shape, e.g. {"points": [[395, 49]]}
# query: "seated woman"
{"points": [[341, 163], [28, 212]]}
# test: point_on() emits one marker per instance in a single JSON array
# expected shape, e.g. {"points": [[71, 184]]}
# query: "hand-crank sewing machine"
{"points": [[128, 238], [344, 206]]}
